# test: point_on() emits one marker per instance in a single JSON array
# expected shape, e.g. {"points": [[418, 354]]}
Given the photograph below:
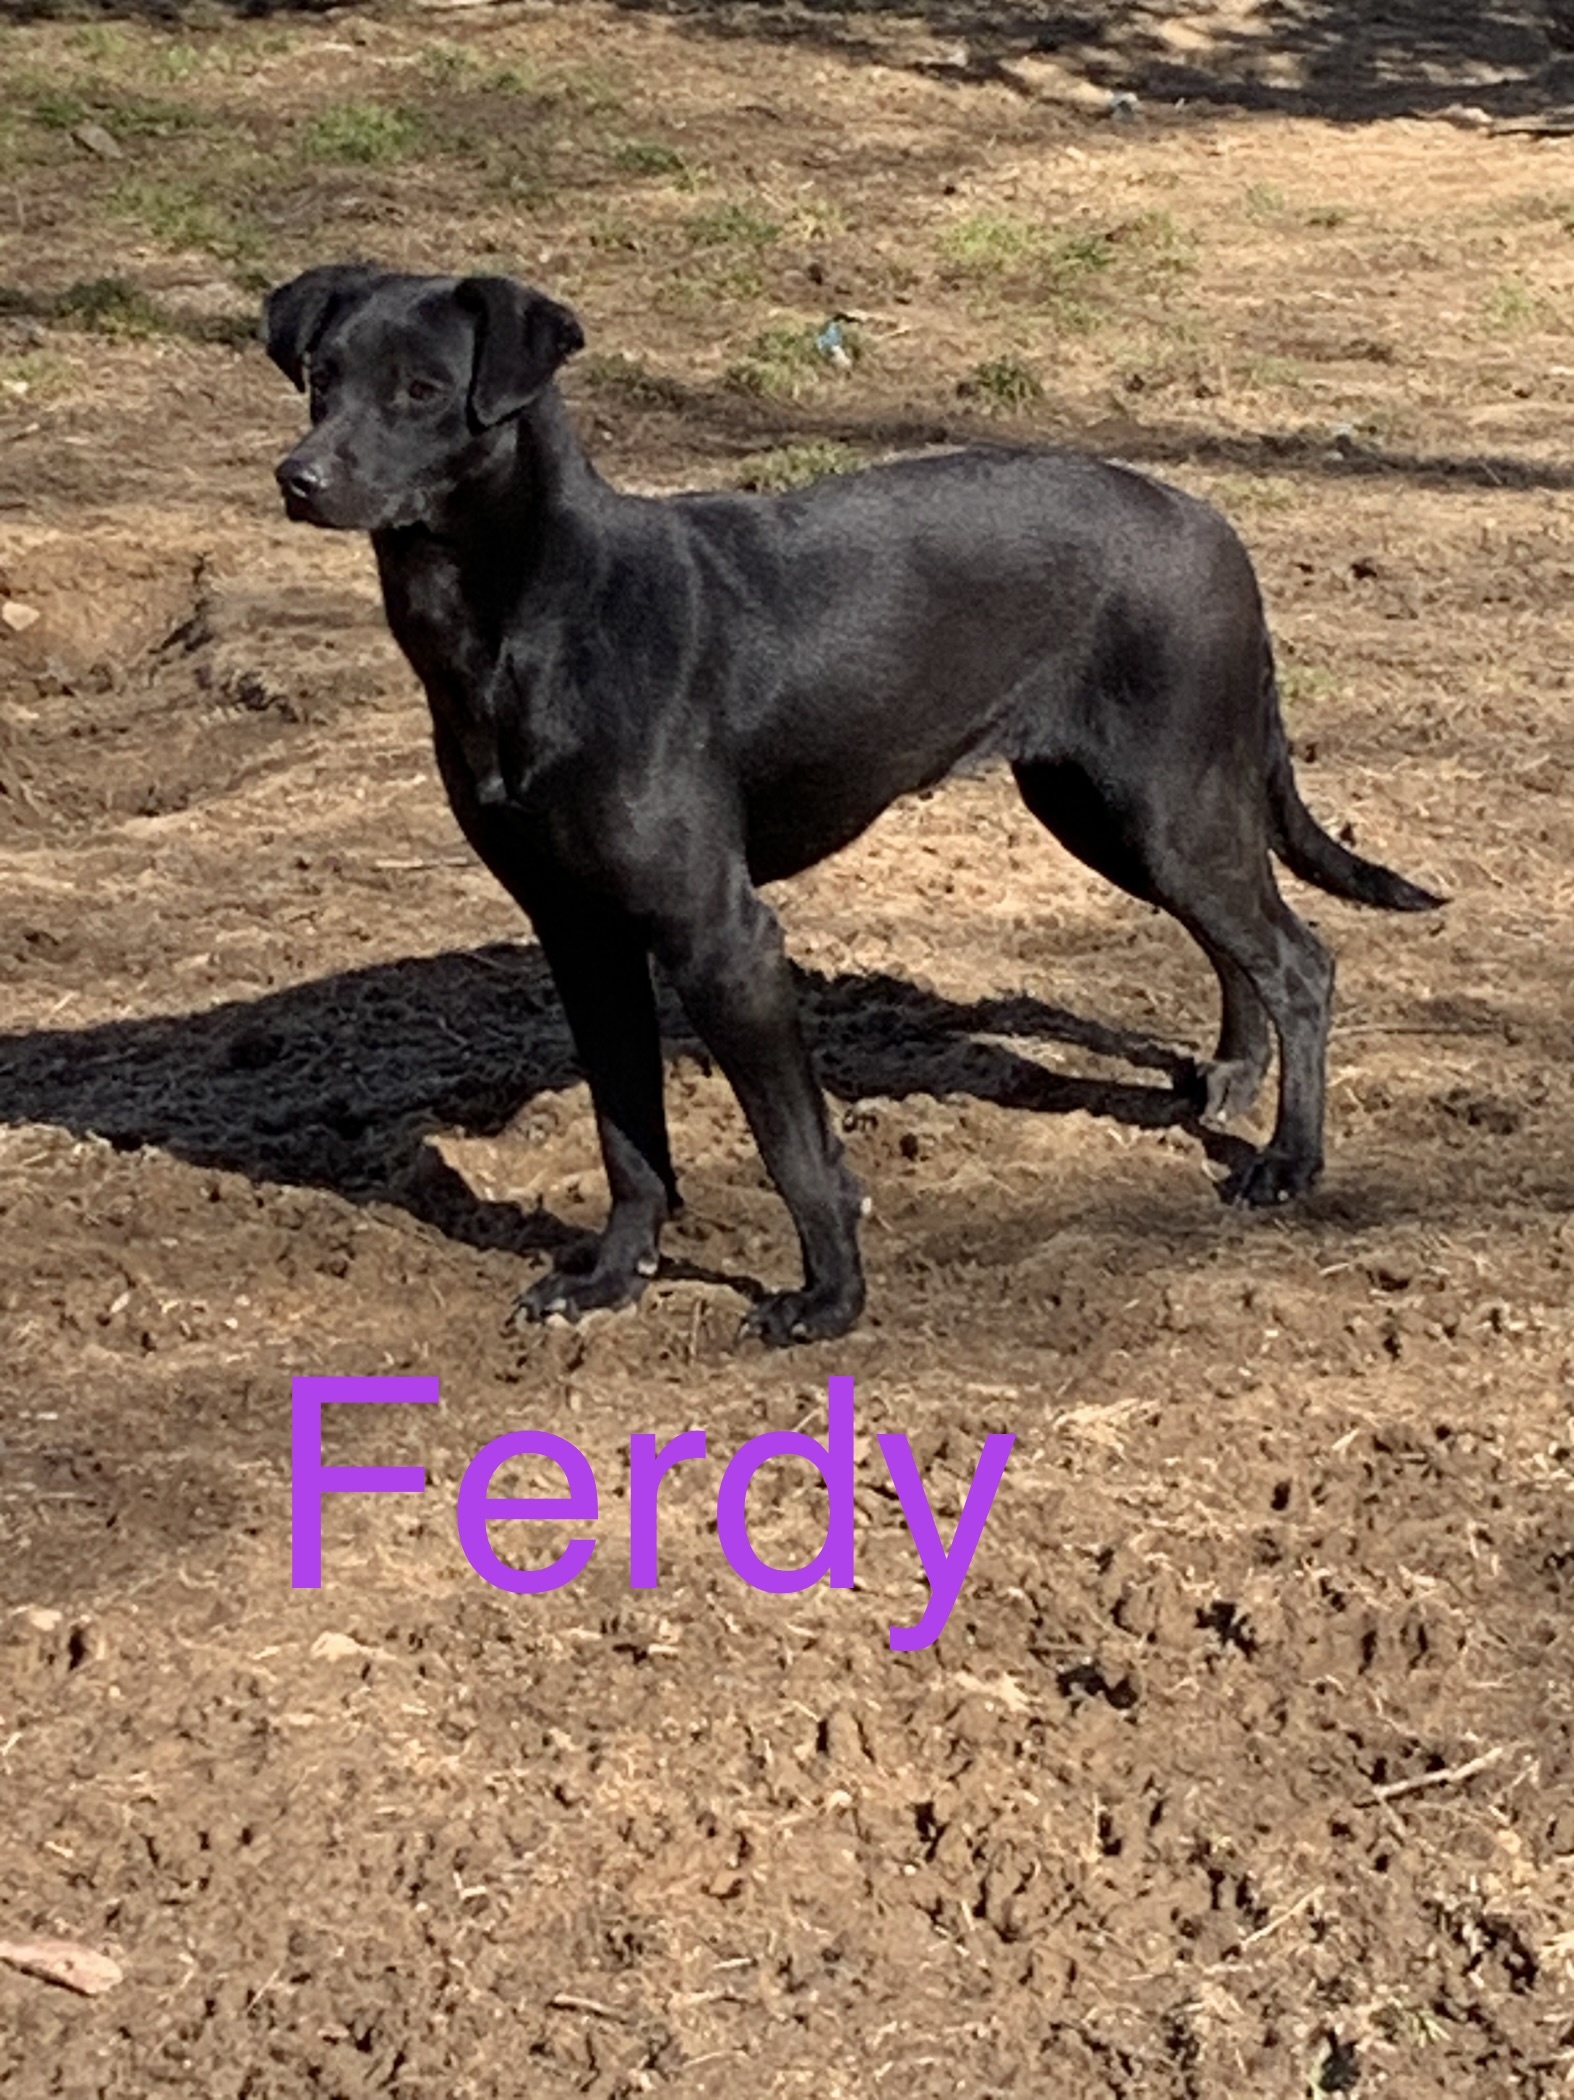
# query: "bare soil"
{"points": [[284, 1090]]}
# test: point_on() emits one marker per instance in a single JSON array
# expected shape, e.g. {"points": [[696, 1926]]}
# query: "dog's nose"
{"points": [[300, 478]]}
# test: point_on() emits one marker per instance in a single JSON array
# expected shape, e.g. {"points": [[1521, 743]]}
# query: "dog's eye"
{"points": [[422, 390]]}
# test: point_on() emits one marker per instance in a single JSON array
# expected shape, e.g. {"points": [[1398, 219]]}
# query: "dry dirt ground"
{"points": [[1244, 1765]]}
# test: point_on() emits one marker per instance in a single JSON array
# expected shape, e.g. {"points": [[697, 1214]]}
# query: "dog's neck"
{"points": [[534, 497], [537, 478], [532, 509]]}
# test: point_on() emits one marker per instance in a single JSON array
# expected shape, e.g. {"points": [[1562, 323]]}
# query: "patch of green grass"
{"points": [[795, 466], [105, 45], [453, 66], [1065, 269], [59, 110], [996, 248], [995, 243], [364, 134], [1301, 685], [651, 157], [33, 376], [613, 233], [1270, 373], [1245, 492], [816, 220], [1144, 255], [179, 215], [1154, 243], [1083, 255], [255, 277], [732, 225], [113, 307], [110, 306], [447, 64], [1001, 384], [733, 282], [990, 243], [178, 63], [514, 162], [588, 90], [509, 80], [782, 363], [712, 279], [525, 183], [1264, 201], [18, 143], [122, 116], [1512, 304], [223, 45], [1403, 2023], [615, 371], [1329, 215], [244, 48]]}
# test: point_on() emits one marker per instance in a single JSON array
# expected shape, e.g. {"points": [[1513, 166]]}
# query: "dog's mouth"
{"points": [[303, 509], [318, 494], [344, 511]]}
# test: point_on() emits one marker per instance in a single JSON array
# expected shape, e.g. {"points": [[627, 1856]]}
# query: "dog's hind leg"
{"points": [[1228, 1083], [1067, 802], [1208, 867], [1249, 924]]}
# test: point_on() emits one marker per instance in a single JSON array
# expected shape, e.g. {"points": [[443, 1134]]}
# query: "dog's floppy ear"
{"points": [[522, 337], [295, 316]]}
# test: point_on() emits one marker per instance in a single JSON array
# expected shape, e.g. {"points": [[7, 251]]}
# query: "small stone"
{"points": [[19, 617], [95, 139]]}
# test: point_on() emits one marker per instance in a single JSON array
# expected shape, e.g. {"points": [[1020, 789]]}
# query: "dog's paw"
{"points": [[1223, 1090], [803, 1316], [568, 1296], [1271, 1178]]}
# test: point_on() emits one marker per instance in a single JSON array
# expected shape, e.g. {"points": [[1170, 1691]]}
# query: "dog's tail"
{"points": [[1308, 851]]}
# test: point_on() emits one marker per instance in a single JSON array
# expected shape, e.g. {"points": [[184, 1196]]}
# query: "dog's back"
{"points": [[857, 640]]}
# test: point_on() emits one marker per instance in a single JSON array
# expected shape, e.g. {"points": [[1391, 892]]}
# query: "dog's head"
{"points": [[415, 383]]}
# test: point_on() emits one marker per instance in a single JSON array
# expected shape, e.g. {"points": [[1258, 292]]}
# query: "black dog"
{"points": [[645, 708]]}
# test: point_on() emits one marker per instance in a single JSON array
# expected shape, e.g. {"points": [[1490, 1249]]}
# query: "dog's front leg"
{"points": [[602, 971], [729, 968]]}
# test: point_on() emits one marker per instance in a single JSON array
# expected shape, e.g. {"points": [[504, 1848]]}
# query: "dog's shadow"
{"points": [[340, 1083]]}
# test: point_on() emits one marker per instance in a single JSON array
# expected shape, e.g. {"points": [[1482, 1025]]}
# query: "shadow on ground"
{"points": [[669, 418], [1340, 59], [337, 1084]]}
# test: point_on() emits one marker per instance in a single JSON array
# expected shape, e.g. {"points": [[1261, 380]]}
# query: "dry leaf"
{"points": [[64, 1962], [337, 1647]]}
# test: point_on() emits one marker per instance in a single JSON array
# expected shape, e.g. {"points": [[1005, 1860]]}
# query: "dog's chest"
{"points": [[457, 654]]}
